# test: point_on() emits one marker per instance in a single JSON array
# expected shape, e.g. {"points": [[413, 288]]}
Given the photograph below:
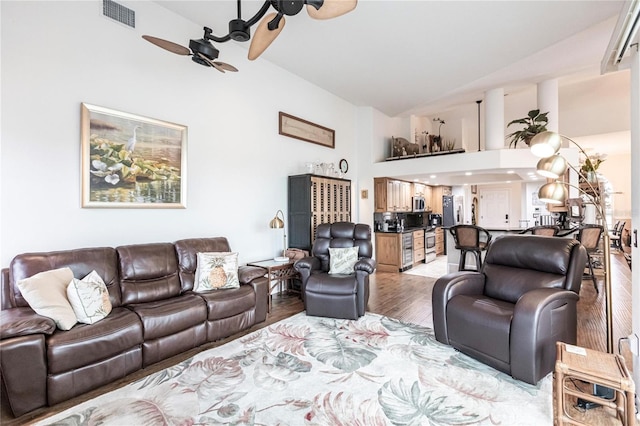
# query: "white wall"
{"points": [[57, 54]]}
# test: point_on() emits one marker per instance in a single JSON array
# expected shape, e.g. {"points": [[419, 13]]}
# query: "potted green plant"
{"points": [[535, 122], [590, 166]]}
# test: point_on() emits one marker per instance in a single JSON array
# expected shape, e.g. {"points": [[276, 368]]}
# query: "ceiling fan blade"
{"points": [[263, 36], [210, 62], [168, 45], [226, 67], [332, 9]]}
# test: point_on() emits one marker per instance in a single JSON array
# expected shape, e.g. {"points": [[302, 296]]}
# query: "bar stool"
{"points": [[470, 239]]}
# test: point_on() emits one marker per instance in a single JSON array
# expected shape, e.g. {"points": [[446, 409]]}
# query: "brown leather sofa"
{"points": [[155, 315], [511, 313]]}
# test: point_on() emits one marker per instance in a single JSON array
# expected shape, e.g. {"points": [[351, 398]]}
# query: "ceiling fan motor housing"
{"points": [[239, 30], [205, 48], [288, 7]]}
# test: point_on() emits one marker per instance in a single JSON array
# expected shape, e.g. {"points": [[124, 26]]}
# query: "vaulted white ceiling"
{"points": [[417, 57]]}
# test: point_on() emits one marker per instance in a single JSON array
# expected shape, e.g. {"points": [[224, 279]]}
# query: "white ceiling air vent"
{"points": [[119, 13]]}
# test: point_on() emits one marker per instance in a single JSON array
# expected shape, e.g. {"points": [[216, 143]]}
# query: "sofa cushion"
{"points": [[227, 303], [480, 323], [509, 284], [46, 293], [86, 344], [81, 261], [148, 272], [169, 316], [187, 250], [89, 298], [216, 270], [337, 285]]}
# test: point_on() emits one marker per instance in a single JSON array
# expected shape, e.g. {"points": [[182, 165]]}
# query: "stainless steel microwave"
{"points": [[418, 204]]}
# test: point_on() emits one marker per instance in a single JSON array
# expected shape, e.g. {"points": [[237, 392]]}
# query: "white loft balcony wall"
{"points": [[451, 166]]}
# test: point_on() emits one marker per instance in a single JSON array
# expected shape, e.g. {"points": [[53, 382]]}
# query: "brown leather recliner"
{"points": [[511, 313], [337, 295]]}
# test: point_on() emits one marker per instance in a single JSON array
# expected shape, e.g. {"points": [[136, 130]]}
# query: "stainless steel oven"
{"points": [[429, 245]]}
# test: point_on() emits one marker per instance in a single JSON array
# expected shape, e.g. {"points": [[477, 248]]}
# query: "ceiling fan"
{"points": [[201, 51], [270, 26]]}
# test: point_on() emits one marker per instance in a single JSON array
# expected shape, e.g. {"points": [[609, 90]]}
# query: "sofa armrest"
{"points": [[261, 288], [310, 263], [246, 274], [23, 322], [365, 264], [540, 318], [446, 287]]}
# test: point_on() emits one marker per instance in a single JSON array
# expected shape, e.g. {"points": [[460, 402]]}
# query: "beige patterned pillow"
{"points": [[46, 293], [89, 298], [342, 260], [216, 270]]}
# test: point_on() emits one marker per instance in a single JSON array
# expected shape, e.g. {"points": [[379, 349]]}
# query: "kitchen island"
{"points": [[453, 254], [397, 251]]}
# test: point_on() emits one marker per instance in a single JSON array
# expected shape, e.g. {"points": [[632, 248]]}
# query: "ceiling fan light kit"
{"points": [[204, 53]]}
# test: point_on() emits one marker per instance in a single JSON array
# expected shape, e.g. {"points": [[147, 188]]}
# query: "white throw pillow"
{"points": [[216, 270], [89, 298], [342, 260], [46, 293]]}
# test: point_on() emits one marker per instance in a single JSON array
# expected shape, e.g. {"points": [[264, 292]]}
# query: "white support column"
{"points": [[494, 119], [635, 202], [548, 101]]}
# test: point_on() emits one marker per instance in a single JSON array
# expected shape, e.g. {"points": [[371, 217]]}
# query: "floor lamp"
{"points": [[552, 165], [277, 223]]}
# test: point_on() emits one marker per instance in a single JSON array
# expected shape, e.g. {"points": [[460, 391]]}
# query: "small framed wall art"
{"points": [[295, 127], [130, 161]]}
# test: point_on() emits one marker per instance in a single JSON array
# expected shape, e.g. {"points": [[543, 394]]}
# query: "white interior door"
{"points": [[494, 208]]}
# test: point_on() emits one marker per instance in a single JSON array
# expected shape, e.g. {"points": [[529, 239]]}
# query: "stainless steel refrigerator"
{"points": [[448, 215]]}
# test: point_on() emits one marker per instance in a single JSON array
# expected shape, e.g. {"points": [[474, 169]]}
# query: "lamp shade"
{"points": [[552, 193], [552, 167], [545, 144], [276, 222]]}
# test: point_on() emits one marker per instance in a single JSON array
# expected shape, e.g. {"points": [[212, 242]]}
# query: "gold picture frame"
{"points": [[131, 161], [294, 127]]}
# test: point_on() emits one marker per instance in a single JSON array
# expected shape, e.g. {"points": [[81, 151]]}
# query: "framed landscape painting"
{"points": [[294, 127], [130, 161]]}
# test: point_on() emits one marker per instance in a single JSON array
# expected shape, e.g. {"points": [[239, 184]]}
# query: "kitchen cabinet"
{"points": [[418, 246], [418, 189], [380, 194], [392, 195], [388, 252], [427, 198], [436, 197], [439, 241], [314, 200]]}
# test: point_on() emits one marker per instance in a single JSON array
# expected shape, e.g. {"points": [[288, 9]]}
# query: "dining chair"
{"points": [[589, 236], [616, 235]]}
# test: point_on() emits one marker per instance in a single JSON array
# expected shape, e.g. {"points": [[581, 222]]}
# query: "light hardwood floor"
{"points": [[408, 297]]}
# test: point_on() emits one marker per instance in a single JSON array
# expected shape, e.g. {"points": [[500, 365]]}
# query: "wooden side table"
{"points": [[574, 363], [280, 272]]}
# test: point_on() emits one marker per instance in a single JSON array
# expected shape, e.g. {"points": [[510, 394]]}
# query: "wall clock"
{"points": [[344, 166]]}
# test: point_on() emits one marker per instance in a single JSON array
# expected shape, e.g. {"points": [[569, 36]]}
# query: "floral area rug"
{"points": [[320, 371]]}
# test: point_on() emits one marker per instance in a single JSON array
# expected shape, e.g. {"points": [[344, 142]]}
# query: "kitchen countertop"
{"points": [[406, 230], [505, 229]]}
